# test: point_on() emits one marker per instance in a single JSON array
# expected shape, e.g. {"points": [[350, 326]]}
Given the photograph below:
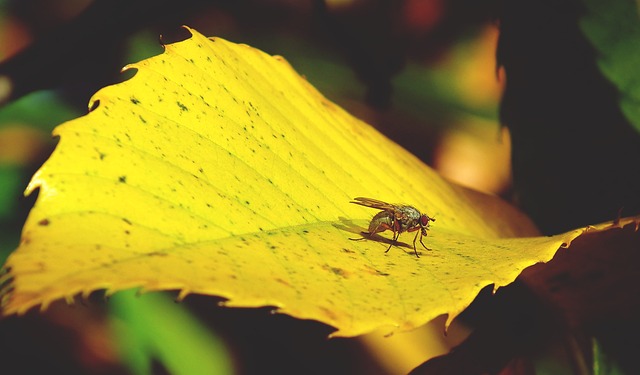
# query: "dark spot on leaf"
{"points": [[348, 251], [142, 119], [273, 247], [127, 221], [122, 179], [134, 100], [182, 107], [305, 231], [127, 232], [329, 313], [247, 202], [279, 280], [44, 222], [339, 271]]}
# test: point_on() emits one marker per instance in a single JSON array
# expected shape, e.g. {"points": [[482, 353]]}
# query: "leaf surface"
{"points": [[218, 170]]}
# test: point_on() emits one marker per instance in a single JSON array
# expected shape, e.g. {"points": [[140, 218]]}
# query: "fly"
{"points": [[397, 218]]}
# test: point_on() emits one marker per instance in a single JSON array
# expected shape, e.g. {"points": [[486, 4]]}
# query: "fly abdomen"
{"points": [[382, 221]]}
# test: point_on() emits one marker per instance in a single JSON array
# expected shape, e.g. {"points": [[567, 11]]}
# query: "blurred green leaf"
{"points": [[142, 45], [463, 82], [42, 109], [602, 363], [613, 27], [427, 93], [152, 327], [9, 187], [9, 240]]}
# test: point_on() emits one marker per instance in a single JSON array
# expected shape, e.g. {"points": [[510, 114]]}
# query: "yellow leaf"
{"points": [[218, 170]]}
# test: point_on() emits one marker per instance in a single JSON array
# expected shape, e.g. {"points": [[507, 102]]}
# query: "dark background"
{"points": [[425, 73]]}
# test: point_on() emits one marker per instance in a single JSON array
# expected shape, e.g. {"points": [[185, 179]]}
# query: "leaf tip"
{"points": [[87, 293], [189, 29], [34, 184], [182, 295], [447, 323], [43, 307]]}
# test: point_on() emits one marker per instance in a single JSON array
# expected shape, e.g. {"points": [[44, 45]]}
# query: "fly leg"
{"points": [[415, 251], [422, 234], [423, 245], [396, 234], [368, 234]]}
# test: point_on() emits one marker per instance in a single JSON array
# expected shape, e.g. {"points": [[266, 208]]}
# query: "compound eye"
{"points": [[424, 220]]}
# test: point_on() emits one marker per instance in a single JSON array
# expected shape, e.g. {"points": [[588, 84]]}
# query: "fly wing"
{"points": [[374, 203]]}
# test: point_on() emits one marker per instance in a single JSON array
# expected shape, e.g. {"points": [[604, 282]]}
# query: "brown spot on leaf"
{"points": [[337, 270], [329, 313], [283, 282]]}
